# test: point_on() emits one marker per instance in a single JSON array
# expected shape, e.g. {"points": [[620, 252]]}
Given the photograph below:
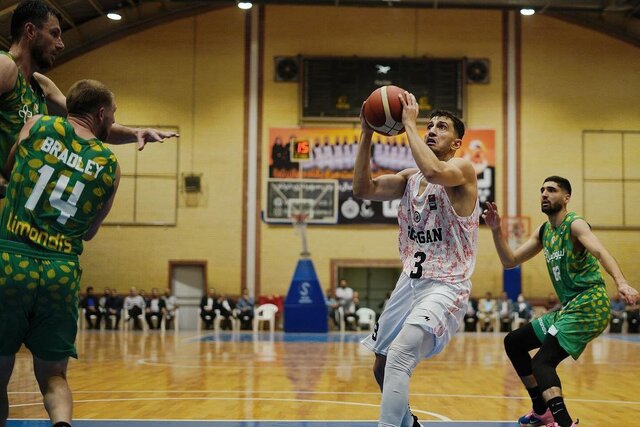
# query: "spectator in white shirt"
{"points": [[156, 307], [134, 305]]}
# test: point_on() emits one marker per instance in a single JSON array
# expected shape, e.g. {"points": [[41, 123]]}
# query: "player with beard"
{"points": [[36, 39], [62, 185], [572, 253]]}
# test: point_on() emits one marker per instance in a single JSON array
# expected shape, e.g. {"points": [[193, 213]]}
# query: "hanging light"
{"points": [[527, 12], [114, 16], [245, 5]]}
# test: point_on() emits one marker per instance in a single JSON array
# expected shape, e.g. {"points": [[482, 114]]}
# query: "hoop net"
{"points": [[518, 230]]}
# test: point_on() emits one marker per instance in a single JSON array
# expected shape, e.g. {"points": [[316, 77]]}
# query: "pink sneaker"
{"points": [[554, 424], [531, 419]]}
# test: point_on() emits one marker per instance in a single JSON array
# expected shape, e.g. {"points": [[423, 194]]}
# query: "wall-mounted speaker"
{"points": [[286, 68], [477, 71], [192, 183]]}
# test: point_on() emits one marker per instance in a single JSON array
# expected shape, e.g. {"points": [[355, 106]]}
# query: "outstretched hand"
{"points": [[410, 108], [148, 135], [628, 294], [491, 216]]}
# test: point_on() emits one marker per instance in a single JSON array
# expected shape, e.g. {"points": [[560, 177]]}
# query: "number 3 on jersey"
{"points": [[67, 207], [420, 258]]}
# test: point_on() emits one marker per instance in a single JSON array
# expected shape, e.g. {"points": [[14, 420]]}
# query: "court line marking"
{"points": [[251, 421], [235, 399], [356, 366], [333, 393]]}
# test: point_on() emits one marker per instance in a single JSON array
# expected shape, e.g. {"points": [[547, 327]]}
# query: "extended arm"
{"points": [[119, 134], [508, 257], [452, 173], [581, 231], [385, 187]]}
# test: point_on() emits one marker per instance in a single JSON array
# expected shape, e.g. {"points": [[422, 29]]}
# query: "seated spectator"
{"points": [[208, 305], [103, 300], [471, 315], [155, 308], [332, 307], [245, 309], [617, 314], [226, 311], [522, 309], [633, 317], [552, 303], [90, 303], [350, 317], [170, 306], [134, 305], [505, 312], [487, 312], [344, 294], [112, 307]]}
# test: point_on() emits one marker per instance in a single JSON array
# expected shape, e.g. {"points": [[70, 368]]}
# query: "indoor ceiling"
{"points": [[85, 24]]}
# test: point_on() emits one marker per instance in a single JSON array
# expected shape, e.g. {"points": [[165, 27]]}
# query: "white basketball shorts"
{"points": [[437, 307]]}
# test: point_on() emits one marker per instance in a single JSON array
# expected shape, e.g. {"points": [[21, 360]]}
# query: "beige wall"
{"points": [[573, 79]]}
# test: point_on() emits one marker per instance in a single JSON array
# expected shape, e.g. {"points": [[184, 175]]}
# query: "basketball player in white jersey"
{"points": [[438, 218]]}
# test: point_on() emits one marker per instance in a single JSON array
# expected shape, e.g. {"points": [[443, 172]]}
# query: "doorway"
{"points": [[373, 280], [188, 282]]}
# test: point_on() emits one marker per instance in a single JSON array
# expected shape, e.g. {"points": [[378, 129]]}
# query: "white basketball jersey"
{"points": [[434, 242]]}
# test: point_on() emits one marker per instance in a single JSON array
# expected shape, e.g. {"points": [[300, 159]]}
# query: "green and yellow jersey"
{"points": [[59, 184], [16, 107], [571, 272]]}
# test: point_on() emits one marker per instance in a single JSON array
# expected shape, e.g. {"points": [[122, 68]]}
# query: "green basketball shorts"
{"points": [[580, 321], [38, 302]]}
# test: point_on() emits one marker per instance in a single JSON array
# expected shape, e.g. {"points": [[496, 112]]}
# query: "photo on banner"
{"points": [[333, 154]]}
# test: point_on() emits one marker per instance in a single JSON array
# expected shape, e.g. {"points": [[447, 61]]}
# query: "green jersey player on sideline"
{"points": [[62, 184]]}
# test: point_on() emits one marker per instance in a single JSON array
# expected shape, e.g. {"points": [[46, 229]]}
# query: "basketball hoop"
{"points": [[518, 230]]}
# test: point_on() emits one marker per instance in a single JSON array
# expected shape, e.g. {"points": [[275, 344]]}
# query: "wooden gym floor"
{"points": [[241, 380]]}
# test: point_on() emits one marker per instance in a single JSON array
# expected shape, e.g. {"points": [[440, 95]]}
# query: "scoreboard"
{"points": [[333, 88]]}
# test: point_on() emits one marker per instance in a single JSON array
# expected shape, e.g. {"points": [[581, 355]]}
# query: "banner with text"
{"points": [[333, 153]]}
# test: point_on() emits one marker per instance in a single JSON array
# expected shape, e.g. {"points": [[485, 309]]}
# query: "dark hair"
{"points": [[35, 11], [562, 183], [457, 123], [87, 97]]}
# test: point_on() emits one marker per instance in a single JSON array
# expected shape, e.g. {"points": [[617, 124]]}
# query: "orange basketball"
{"points": [[383, 110]]}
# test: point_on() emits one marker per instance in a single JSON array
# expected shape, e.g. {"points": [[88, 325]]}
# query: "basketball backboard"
{"points": [[286, 198]]}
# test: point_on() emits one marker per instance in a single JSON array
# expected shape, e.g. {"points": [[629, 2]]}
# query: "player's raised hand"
{"points": [[628, 294], [410, 107], [491, 216], [145, 136]]}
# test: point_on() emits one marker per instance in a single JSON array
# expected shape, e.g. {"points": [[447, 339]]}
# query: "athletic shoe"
{"points": [[415, 421], [554, 424], [531, 419]]}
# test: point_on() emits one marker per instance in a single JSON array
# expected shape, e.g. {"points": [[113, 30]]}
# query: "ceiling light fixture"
{"points": [[527, 12], [245, 5], [114, 16]]}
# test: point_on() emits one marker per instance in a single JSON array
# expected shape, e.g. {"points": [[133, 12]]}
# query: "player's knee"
{"points": [[511, 344], [402, 358]]}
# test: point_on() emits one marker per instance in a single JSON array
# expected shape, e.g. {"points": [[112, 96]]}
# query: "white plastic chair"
{"points": [[265, 313], [82, 319], [174, 320], [366, 316]]}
